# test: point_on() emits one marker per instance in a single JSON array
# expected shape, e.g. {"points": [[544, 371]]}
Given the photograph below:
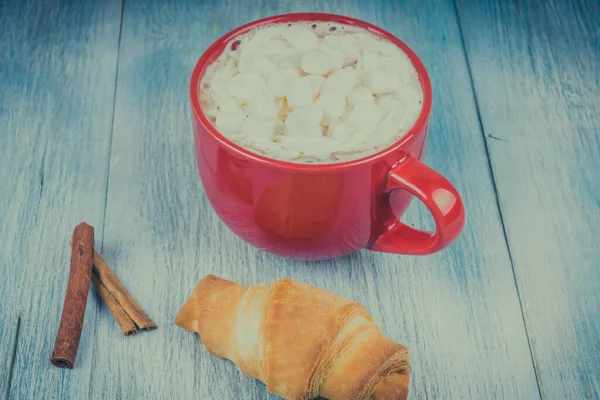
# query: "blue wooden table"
{"points": [[95, 125]]}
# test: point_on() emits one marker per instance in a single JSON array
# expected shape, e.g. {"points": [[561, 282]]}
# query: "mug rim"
{"points": [[220, 44]]}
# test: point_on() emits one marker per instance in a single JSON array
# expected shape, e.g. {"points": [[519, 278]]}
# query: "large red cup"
{"points": [[319, 211]]}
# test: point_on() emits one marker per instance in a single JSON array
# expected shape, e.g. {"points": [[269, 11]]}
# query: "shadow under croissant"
{"points": [[392, 387]]}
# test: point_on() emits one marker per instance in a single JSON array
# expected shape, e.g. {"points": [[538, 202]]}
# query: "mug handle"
{"points": [[440, 197]]}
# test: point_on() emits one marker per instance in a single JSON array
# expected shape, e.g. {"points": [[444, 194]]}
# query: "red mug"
{"points": [[320, 211]]}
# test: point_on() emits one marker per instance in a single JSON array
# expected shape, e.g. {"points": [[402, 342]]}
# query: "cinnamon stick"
{"points": [[123, 299], [125, 323], [78, 285]]}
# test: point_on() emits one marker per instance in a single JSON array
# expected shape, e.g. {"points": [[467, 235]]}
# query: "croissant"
{"points": [[301, 341]]}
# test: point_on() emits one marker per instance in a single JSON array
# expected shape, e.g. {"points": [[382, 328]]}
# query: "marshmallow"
{"points": [[303, 121], [292, 61], [256, 64], [333, 104], [341, 81], [346, 46], [229, 105], [389, 49], [315, 62], [340, 130], [210, 110], [298, 92], [387, 128], [229, 123], [386, 104], [331, 124], [390, 107], [276, 50], [315, 82], [307, 115], [263, 105], [229, 69], [244, 86], [410, 94], [364, 117], [301, 38], [256, 127], [260, 38], [336, 57], [358, 94], [364, 41], [400, 113], [249, 90], [368, 60], [218, 98], [277, 84], [381, 81], [388, 62], [393, 115], [333, 41], [220, 82], [351, 53]]}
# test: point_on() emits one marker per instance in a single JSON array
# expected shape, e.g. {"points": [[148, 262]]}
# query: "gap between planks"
{"points": [[493, 179], [112, 123], [13, 357], [107, 183]]}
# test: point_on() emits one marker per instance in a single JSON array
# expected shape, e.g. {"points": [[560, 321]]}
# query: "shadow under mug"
{"points": [[320, 211]]}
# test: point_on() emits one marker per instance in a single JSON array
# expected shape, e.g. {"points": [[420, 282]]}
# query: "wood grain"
{"points": [[57, 73], [535, 68], [458, 311]]}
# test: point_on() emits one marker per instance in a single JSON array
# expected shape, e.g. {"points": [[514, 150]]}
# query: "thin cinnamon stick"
{"points": [[121, 295], [125, 323], [78, 286]]}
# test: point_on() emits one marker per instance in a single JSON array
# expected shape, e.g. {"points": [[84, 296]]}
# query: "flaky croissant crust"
{"points": [[301, 341]]}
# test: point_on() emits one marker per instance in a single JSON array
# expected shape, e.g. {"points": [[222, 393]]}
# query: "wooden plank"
{"points": [[57, 72], [457, 311], [535, 68]]}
